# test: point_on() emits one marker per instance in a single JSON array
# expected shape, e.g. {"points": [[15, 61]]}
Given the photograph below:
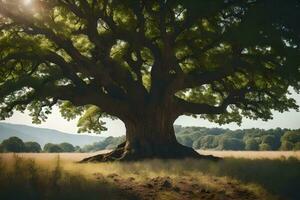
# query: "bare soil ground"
{"points": [[184, 188]]}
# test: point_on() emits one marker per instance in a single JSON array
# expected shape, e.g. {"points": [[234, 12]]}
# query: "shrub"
{"points": [[291, 136], [78, 149], [33, 147], [297, 146], [286, 146], [52, 148], [272, 141], [206, 142], [231, 144], [265, 147], [251, 145], [108, 143], [67, 147], [13, 144]]}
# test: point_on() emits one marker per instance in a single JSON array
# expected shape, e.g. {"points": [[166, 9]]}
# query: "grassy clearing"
{"points": [[267, 178]]}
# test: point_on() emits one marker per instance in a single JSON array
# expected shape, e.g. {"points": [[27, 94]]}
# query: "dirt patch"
{"points": [[183, 188]]}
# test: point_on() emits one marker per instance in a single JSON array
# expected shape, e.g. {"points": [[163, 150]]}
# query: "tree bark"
{"points": [[149, 135]]}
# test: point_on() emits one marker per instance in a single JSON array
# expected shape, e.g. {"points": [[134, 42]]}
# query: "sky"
{"points": [[289, 119]]}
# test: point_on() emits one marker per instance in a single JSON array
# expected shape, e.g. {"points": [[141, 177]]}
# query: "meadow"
{"points": [[240, 175], [253, 154]]}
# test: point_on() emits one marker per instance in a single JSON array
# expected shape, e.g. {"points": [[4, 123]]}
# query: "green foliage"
{"points": [[265, 147], [271, 141], [69, 111], [216, 138], [231, 144], [290, 140], [108, 143], [90, 120], [222, 60], [297, 146], [13, 144], [224, 139], [78, 149], [251, 145], [52, 148], [291, 136], [286, 146], [57, 148], [206, 142], [33, 147], [67, 147]]}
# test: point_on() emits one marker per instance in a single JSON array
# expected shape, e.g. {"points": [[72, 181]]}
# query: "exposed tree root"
{"points": [[175, 152]]}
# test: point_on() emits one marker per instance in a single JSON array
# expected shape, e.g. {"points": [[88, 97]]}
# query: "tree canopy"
{"points": [[33, 147], [220, 59], [67, 147], [52, 148], [13, 144], [149, 59]]}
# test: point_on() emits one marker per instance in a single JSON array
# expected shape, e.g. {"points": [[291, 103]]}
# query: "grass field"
{"points": [[49, 176], [253, 154]]}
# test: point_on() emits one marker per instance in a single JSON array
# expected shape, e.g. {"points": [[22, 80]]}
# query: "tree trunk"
{"points": [[148, 135]]}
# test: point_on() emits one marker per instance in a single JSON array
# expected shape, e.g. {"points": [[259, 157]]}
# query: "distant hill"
{"points": [[43, 136]]}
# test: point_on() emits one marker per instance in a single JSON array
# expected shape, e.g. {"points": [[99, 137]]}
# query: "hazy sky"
{"points": [[116, 127]]}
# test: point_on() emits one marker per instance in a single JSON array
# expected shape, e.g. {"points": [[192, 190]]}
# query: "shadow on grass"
{"points": [[280, 177], [25, 180]]}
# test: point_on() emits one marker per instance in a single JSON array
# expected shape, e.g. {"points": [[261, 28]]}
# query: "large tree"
{"points": [[147, 62], [13, 144]]}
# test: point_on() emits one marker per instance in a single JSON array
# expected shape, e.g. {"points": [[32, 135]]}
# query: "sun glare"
{"points": [[27, 2]]}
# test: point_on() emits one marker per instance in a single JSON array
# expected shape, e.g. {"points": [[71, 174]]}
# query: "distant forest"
{"points": [[16, 145], [196, 137], [246, 139], [222, 139]]}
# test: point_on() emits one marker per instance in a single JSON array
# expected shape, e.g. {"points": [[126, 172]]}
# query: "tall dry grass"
{"points": [[65, 178], [280, 176], [253, 154], [25, 179]]}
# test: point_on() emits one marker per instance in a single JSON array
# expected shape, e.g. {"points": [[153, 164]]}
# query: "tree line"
{"points": [[222, 139], [247, 139], [16, 145], [196, 137], [106, 144]]}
